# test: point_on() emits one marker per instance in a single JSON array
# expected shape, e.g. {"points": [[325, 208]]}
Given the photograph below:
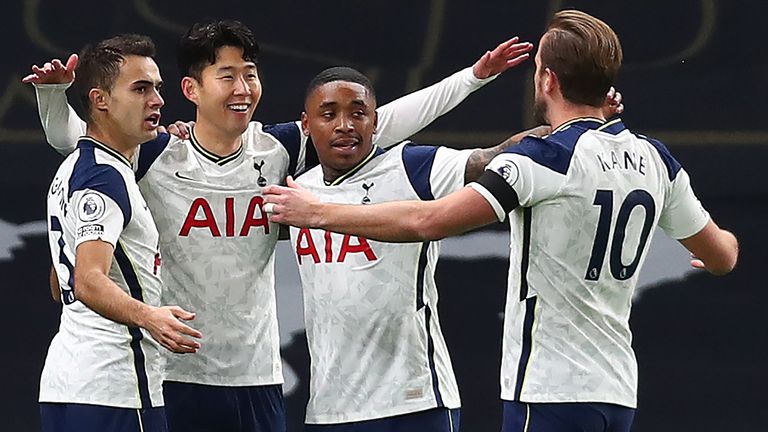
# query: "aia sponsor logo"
{"points": [[201, 216], [306, 246]]}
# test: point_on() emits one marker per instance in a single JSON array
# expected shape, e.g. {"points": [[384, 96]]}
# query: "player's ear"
{"points": [[189, 88], [375, 120], [99, 99], [304, 123], [550, 80]]}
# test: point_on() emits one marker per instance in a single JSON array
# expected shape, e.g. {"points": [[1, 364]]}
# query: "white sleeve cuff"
{"points": [[468, 75], [51, 87]]}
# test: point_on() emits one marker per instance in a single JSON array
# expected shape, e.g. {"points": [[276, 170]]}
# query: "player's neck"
{"points": [[113, 139], [331, 174], [216, 140], [560, 114]]}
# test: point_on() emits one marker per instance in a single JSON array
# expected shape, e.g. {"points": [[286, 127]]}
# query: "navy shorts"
{"points": [[67, 417], [207, 408], [566, 417], [434, 420]]}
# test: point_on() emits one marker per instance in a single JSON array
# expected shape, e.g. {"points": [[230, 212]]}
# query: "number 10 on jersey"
{"points": [[604, 200]]}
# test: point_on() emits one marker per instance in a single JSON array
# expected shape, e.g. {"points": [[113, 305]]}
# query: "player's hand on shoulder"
{"points": [[506, 55], [539, 131], [181, 129], [614, 103], [53, 72], [166, 327]]}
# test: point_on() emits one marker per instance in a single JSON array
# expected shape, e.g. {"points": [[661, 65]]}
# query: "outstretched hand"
{"points": [[53, 72], [291, 205], [507, 55], [613, 103]]}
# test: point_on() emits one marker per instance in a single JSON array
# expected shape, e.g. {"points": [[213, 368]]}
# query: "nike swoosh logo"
{"points": [[183, 177]]}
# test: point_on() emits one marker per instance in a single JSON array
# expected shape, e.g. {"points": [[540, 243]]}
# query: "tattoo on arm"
{"points": [[481, 157]]}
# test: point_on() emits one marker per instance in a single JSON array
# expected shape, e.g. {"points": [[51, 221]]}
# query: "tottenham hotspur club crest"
{"points": [[367, 188], [261, 181]]}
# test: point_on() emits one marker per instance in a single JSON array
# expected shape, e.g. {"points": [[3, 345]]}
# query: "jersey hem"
{"points": [[570, 398], [126, 405], [392, 412], [220, 382]]}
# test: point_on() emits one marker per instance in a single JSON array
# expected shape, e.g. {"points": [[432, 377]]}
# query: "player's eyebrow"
{"points": [[228, 68], [358, 102], [139, 83]]}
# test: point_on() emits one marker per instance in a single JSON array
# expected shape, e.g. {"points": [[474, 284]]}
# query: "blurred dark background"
{"points": [[695, 76]]}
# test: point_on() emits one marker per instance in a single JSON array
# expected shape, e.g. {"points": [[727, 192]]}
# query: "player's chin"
{"points": [[238, 124], [148, 134]]}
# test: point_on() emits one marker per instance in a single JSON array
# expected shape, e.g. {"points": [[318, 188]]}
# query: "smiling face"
{"points": [[131, 108], [340, 117], [227, 93]]}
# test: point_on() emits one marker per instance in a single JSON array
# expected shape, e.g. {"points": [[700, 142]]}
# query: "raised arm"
{"points": [[60, 122], [409, 114], [481, 157]]}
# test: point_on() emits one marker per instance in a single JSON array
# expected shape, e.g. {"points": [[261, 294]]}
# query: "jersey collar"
{"points": [[589, 122], [86, 141], [375, 151], [219, 160], [614, 126]]}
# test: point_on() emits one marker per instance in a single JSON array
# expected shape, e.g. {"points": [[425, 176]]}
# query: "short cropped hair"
{"points": [[199, 45], [340, 73], [585, 54], [99, 65]]}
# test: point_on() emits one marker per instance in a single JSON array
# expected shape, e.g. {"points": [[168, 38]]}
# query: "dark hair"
{"points": [[585, 54], [199, 45], [340, 73], [99, 65]]}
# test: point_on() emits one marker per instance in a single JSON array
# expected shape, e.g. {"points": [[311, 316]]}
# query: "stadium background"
{"points": [[695, 75]]}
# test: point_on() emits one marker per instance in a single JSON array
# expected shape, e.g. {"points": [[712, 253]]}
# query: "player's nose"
{"points": [[156, 99], [242, 87], [344, 123]]}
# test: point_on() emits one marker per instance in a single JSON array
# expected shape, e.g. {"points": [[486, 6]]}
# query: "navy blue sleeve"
{"points": [[149, 152], [289, 135], [550, 152], [106, 180], [673, 166], [418, 161]]}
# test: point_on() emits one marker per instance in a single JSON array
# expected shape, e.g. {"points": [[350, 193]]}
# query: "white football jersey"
{"points": [[217, 244], [590, 196], [94, 360], [371, 307]]}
